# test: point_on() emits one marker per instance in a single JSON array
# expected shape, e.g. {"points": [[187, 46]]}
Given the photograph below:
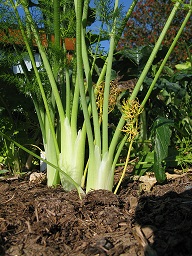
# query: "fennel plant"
{"points": [[67, 86]]}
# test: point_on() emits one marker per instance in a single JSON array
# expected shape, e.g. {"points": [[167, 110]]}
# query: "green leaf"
{"points": [[183, 75], [171, 87], [182, 66], [4, 171], [145, 164], [162, 135], [138, 55]]}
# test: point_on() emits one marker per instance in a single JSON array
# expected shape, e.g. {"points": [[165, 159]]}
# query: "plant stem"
{"points": [[119, 34], [166, 58], [68, 93], [107, 85], [124, 22], [75, 106], [122, 143], [96, 125], [125, 167], [80, 81], [154, 52], [143, 75]]}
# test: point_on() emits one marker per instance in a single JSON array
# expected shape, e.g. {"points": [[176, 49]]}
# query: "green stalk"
{"points": [[57, 37], [122, 143], [75, 107], [57, 43], [48, 130], [166, 58], [119, 34], [96, 124], [154, 52], [107, 86], [50, 153], [78, 4], [85, 13], [68, 93], [143, 75], [126, 18]]}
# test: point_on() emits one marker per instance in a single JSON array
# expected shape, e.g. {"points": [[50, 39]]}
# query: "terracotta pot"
{"points": [[14, 35]]}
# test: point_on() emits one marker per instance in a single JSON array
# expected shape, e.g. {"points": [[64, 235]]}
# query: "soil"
{"points": [[40, 221]]}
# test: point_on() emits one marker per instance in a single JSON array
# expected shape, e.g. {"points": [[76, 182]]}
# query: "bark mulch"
{"points": [[40, 221]]}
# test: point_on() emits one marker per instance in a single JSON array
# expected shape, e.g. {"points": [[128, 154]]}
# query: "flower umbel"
{"points": [[131, 110]]}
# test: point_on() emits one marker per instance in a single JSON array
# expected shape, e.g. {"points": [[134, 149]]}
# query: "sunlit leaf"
{"points": [[182, 66], [162, 137]]}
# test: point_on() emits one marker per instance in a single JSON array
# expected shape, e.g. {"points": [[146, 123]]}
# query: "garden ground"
{"points": [[40, 221]]}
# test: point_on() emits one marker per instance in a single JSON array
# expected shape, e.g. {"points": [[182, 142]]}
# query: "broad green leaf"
{"points": [[137, 55], [182, 66], [183, 75], [145, 164], [168, 70], [171, 87], [162, 135]]}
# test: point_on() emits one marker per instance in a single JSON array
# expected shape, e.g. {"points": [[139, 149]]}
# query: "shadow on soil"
{"points": [[163, 224]]}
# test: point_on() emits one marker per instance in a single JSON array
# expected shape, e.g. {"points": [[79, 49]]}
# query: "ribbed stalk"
{"points": [[124, 22], [143, 75], [68, 94], [171, 48], [80, 81], [96, 124], [107, 86]]}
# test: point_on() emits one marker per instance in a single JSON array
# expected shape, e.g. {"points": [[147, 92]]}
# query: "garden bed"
{"points": [[40, 221]]}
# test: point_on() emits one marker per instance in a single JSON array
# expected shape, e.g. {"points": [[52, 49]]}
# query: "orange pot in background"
{"points": [[14, 36]]}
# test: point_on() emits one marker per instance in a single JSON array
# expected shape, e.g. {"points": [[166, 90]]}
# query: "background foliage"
{"points": [[147, 22]]}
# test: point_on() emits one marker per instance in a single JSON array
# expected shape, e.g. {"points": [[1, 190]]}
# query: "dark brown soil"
{"points": [[41, 221]]}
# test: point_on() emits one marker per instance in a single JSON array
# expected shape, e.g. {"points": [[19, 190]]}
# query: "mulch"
{"points": [[39, 221]]}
